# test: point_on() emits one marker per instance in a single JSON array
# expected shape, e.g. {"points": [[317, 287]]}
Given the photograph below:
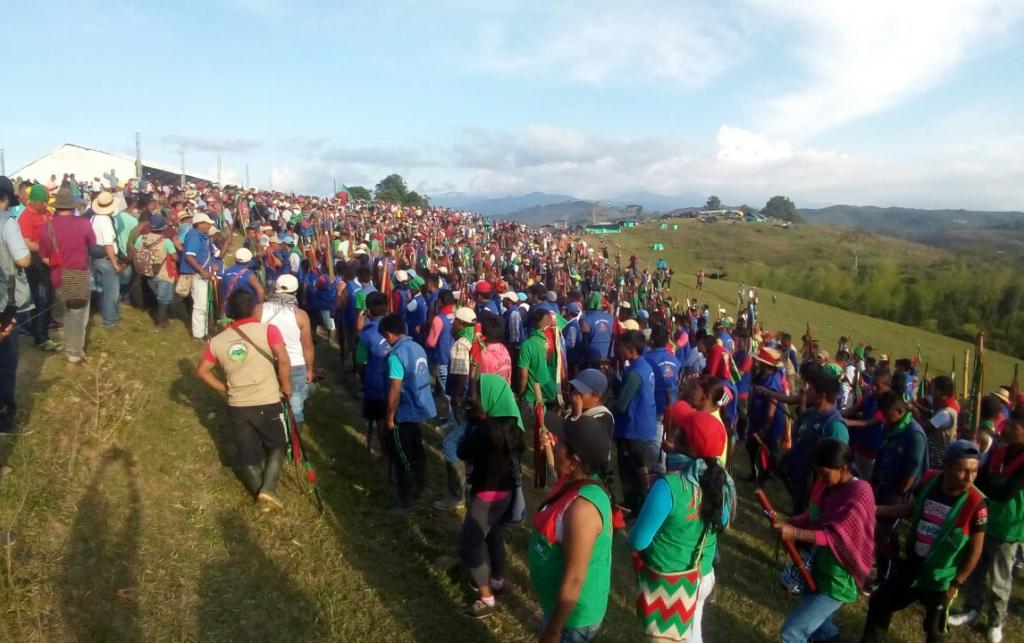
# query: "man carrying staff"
{"points": [[246, 351]]}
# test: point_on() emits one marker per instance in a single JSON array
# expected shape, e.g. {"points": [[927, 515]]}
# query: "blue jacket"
{"points": [[599, 339], [666, 377], [441, 354], [759, 405], [417, 401], [234, 278], [639, 422], [416, 318], [375, 375]]}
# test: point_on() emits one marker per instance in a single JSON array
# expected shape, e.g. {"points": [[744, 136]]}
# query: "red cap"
{"points": [[703, 433], [500, 286], [483, 287]]}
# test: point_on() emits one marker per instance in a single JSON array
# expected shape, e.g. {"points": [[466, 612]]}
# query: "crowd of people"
{"points": [[533, 347]]}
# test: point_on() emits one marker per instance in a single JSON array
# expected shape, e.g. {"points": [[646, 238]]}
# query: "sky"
{"points": [[914, 103]]}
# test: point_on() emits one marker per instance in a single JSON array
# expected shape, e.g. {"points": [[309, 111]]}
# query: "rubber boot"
{"points": [[268, 490], [251, 476], [163, 314]]}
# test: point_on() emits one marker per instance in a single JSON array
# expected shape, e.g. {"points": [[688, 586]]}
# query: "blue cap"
{"points": [[157, 222], [590, 380], [961, 450], [521, 296], [644, 314], [288, 239], [573, 309]]}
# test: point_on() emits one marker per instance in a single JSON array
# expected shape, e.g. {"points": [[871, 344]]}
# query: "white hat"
{"points": [[629, 324], [243, 255], [286, 283], [202, 217], [401, 275], [510, 295], [625, 304], [466, 315]]}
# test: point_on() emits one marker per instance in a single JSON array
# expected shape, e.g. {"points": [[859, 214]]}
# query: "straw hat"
{"points": [[103, 203], [769, 356]]}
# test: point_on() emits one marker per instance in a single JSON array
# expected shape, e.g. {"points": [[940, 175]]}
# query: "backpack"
{"points": [[149, 258]]}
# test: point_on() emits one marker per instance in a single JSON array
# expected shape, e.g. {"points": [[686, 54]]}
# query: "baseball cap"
{"points": [[157, 222], [961, 450], [590, 380], [552, 296], [587, 439], [465, 315], [483, 287], [286, 284], [37, 193], [402, 276], [509, 295], [286, 239], [704, 433], [631, 324], [7, 190], [573, 308], [243, 255]]}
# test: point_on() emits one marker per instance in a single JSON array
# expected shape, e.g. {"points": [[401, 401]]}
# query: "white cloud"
{"points": [[590, 41], [864, 57], [743, 146]]}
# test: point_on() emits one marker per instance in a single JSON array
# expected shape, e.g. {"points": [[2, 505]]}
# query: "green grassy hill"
{"points": [[128, 525], [749, 253]]}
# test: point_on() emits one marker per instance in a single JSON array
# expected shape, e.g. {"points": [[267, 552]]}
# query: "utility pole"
{"points": [[246, 175], [593, 213], [335, 187], [181, 152], [218, 170], [138, 157]]}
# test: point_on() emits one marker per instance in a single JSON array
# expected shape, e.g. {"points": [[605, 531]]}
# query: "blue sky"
{"points": [[871, 102]]}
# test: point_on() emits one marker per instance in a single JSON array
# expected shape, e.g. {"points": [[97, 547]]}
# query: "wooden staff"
{"points": [[788, 545], [981, 378], [967, 370]]}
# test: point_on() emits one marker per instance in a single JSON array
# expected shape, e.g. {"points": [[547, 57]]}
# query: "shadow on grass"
{"points": [[188, 391], [98, 583], [246, 596]]}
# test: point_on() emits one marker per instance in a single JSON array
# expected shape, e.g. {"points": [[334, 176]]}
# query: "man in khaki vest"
{"points": [[254, 386]]}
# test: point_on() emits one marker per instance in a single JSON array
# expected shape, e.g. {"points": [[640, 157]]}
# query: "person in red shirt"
{"points": [[34, 222]]}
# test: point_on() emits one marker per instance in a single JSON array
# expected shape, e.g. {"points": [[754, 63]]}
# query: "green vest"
{"points": [[829, 575], [949, 548], [1005, 519], [674, 547], [547, 567]]}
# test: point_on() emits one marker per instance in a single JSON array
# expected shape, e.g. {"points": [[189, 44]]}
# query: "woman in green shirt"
{"points": [[839, 524], [570, 551]]}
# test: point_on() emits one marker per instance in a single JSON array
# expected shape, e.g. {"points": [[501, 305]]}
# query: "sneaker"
{"points": [[968, 618], [268, 502], [49, 346], [995, 634], [479, 609], [497, 591], [449, 503]]}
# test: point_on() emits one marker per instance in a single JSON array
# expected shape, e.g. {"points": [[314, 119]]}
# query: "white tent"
{"points": [[88, 164]]}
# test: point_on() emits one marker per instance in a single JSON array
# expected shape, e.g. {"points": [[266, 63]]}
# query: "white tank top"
{"points": [[285, 321]]}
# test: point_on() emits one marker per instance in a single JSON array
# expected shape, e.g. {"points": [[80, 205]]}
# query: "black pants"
{"points": [[8, 376], [38, 275], [408, 460], [896, 594], [636, 457], [481, 543], [256, 428]]}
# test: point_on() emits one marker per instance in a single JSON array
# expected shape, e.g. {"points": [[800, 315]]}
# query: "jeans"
{"points": [[300, 391], [38, 276], [811, 620], [327, 319], [162, 290], [199, 294], [109, 281], [125, 279], [481, 544], [75, 322], [992, 580], [406, 452], [8, 376], [707, 585], [583, 634], [636, 459], [453, 434]]}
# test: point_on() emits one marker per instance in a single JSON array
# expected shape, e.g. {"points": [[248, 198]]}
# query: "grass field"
{"points": [[129, 526], [740, 248]]}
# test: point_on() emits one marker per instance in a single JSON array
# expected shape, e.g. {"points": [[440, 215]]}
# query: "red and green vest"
{"points": [[950, 546], [829, 575], [1005, 519], [547, 560], [674, 547]]}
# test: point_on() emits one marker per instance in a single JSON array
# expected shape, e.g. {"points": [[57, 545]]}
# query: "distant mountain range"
{"points": [[539, 208]]}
